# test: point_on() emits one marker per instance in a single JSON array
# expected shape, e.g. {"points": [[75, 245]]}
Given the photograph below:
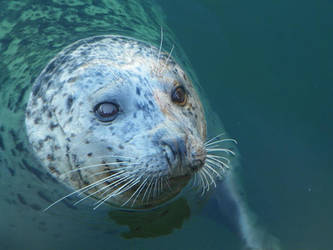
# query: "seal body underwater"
{"points": [[118, 120]]}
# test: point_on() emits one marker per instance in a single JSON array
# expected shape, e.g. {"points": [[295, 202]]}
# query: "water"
{"points": [[267, 70]]}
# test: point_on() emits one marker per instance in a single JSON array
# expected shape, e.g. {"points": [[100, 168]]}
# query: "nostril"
{"points": [[170, 150]]}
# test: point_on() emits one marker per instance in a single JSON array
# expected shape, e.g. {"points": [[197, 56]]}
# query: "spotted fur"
{"points": [[67, 137]]}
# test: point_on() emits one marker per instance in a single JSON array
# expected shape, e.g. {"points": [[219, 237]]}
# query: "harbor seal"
{"points": [[119, 120]]}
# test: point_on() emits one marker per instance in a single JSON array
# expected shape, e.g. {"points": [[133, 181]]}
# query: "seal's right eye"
{"points": [[106, 111]]}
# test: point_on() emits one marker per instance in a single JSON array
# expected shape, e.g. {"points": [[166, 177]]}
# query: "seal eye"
{"points": [[106, 111], [179, 96]]}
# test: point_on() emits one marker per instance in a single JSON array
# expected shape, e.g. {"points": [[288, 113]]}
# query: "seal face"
{"points": [[118, 120]]}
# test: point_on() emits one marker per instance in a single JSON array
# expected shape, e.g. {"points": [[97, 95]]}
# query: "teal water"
{"points": [[266, 68]]}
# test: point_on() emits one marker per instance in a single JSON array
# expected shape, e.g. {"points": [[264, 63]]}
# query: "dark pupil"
{"points": [[178, 95], [107, 109]]}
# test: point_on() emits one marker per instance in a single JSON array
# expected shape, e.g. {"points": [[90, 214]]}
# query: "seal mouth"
{"points": [[197, 165]]}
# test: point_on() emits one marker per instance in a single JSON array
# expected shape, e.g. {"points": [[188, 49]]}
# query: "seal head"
{"points": [[119, 120]]}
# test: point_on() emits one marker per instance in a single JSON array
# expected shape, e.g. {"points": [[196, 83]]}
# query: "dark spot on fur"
{"points": [[87, 142], [138, 91], [33, 170], [35, 207], [36, 88], [44, 108], [51, 67], [13, 152], [89, 154], [72, 79], [48, 138], [13, 134], [53, 125], [69, 102], [50, 157], [53, 170], [19, 147], [21, 199], [2, 145], [69, 205], [109, 148], [121, 146], [37, 120], [11, 171], [44, 197]]}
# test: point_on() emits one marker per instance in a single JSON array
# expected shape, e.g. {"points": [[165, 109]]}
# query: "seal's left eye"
{"points": [[106, 111]]}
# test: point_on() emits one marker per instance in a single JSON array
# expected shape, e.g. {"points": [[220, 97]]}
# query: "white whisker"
{"points": [[107, 179], [210, 177], [148, 187], [99, 190], [220, 141], [213, 170], [210, 156], [137, 195], [134, 193], [160, 49], [75, 192], [218, 163], [114, 156], [113, 193], [99, 165], [215, 137], [220, 150]]}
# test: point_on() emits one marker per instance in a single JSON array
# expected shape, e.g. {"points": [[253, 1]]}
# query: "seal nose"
{"points": [[175, 149]]}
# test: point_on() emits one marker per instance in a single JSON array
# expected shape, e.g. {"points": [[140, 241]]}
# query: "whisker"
{"points": [[202, 182], [215, 137], [151, 187], [134, 193], [99, 190], [167, 60], [207, 185], [213, 170], [215, 163], [75, 192], [148, 187], [114, 193], [106, 171], [98, 165], [114, 156], [115, 183], [210, 156], [210, 177], [160, 49], [134, 182], [137, 195], [220, 150], [220, 141], [109, 178]]}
